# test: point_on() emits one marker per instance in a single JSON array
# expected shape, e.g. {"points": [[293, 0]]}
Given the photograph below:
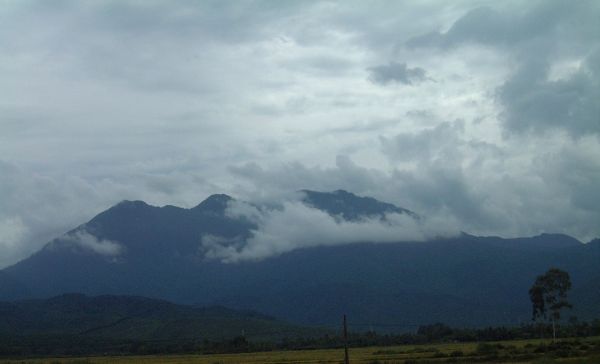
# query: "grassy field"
{"points": [[582, 350]]}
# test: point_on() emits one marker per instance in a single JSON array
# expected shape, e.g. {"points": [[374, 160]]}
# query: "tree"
{"points": [[549, 295]]}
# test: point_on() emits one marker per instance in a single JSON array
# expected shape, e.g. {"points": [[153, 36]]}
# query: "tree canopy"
{"points": [[549, 295]]}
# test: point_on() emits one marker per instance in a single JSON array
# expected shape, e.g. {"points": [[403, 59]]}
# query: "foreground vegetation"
{"points": [[575, 350], [86, 345], [436, 343]]}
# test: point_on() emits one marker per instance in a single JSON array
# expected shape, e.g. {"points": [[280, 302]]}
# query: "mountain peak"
{"points": [[559, 240], [128, 207], [164, 253], [132, 204], [216, 202], [343, 193], [350, 206]]}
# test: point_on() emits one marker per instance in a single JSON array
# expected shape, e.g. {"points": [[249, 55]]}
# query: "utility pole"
{"points": [[346, 358]]}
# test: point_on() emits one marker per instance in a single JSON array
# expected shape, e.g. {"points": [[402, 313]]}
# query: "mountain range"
{"points": [[157, 252], [136, 318]]}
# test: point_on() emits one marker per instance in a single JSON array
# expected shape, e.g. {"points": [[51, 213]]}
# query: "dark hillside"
{"points": [[462, 281], [136, 318]]}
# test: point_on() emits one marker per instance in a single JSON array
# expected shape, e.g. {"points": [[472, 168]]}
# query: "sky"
{"points": [[484, 114]]}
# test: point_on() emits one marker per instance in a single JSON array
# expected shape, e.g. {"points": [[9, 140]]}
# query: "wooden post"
{"points": [[346, 358]]}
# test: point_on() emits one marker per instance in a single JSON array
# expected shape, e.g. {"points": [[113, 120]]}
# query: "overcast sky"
{"points": [[485, 112]]}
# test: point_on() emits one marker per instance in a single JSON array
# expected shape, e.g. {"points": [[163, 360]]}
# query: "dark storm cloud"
{"points": [[397, 72], [446, 188], [539, 20], [441, 181], [539, 39], [532, 102], [481, 183]]}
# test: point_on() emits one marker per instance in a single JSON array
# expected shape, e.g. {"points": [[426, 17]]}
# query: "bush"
{"points": [[544, 361], [456, 353], [487, 349]]}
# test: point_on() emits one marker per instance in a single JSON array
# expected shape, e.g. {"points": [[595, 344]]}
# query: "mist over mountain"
{"points": [[401, 162], [307, 260]]}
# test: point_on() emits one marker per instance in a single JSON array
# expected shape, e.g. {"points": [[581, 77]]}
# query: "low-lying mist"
{"points": [[294, 225]]}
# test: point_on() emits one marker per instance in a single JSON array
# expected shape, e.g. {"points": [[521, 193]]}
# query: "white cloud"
{"points": [[38, 206], [12, 231], [295, 225], [88, 241]]}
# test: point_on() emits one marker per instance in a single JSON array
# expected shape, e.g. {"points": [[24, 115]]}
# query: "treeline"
{"points": [[74, 345], [438, 333]]}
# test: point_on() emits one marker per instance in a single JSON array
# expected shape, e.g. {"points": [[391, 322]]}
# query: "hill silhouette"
{"points": [[137, 249]]}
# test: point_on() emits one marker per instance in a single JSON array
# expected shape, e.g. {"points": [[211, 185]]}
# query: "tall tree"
{"points": [[548, 295]]}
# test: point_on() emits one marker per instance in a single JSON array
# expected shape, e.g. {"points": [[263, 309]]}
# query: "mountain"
{"points": [[135, 318], [137, 249], [349, 206]]}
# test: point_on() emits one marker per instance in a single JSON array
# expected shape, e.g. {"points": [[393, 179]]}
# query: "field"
{"points": [[582, 350]]}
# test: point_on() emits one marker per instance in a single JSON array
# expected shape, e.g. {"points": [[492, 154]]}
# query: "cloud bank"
{"points": [[295, 225], [89, 242], [555, 82]]}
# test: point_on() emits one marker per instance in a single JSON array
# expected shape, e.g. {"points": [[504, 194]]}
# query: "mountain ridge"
{"points": [[136, 318], [463, 280]]}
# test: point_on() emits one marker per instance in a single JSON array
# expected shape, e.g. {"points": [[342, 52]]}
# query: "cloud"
{"points": [[510, 26], [295, 225], [537, 39], [441, 141], [40, 206], [507, 186], [259, 183], [397, 72], [88, 241], [535, 103], [256, 100], [35, 209], [504, 188], [12, 231]]}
